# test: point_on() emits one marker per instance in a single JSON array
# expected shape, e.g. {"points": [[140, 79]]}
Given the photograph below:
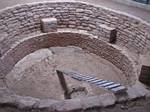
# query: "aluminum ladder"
{"points": [[109, 85]]}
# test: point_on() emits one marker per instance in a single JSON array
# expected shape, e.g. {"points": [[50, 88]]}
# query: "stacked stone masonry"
{"points": [[18, 23], [25, 19], [87, 42]]}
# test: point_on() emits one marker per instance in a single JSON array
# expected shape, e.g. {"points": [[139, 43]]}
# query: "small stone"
{"points": [[107, 100], [90, 102], [46, 103], [69, 105], [123, 107]]}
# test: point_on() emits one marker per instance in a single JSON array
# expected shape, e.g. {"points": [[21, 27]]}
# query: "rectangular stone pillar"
{"points": [[113, 36], [145, 75], [49, 25], [109, 33]]}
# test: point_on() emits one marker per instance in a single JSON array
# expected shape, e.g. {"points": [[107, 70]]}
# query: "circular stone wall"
{"points": [[20, 21], [84, 41], [20, 35]]}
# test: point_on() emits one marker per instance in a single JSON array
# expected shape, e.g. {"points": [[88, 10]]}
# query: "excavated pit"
{"points": [[35, 75], [82, 42]]}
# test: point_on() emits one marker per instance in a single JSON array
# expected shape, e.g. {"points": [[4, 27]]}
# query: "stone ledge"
{"points": [[7, 97], [26, 103]]}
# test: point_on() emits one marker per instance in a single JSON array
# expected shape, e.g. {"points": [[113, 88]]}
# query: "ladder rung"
{"points": [[107, 84], [92, 80], [118, 89], [112, 86], [101, 82], [96, 81], [84, 77]]}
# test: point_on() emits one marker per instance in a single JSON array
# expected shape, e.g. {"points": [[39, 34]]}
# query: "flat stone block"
{"points": [[47, 104], [49, 25], [107, 100], [69, 105], [25, 102], [132, 93], [90, 102]]}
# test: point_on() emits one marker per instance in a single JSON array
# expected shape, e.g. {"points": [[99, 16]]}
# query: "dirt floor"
{"points": [[145, 15], [35, 75]]}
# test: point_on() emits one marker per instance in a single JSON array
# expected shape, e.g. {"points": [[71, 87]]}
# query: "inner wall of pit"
{"points": [[84, 41], [18, 22]]}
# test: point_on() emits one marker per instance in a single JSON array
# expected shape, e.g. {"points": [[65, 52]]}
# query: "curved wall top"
{"points": [[19, 21]]}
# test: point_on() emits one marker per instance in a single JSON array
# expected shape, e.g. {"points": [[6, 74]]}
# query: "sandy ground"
{"points": [[141, 13], [145, 15], [35, 75]]}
